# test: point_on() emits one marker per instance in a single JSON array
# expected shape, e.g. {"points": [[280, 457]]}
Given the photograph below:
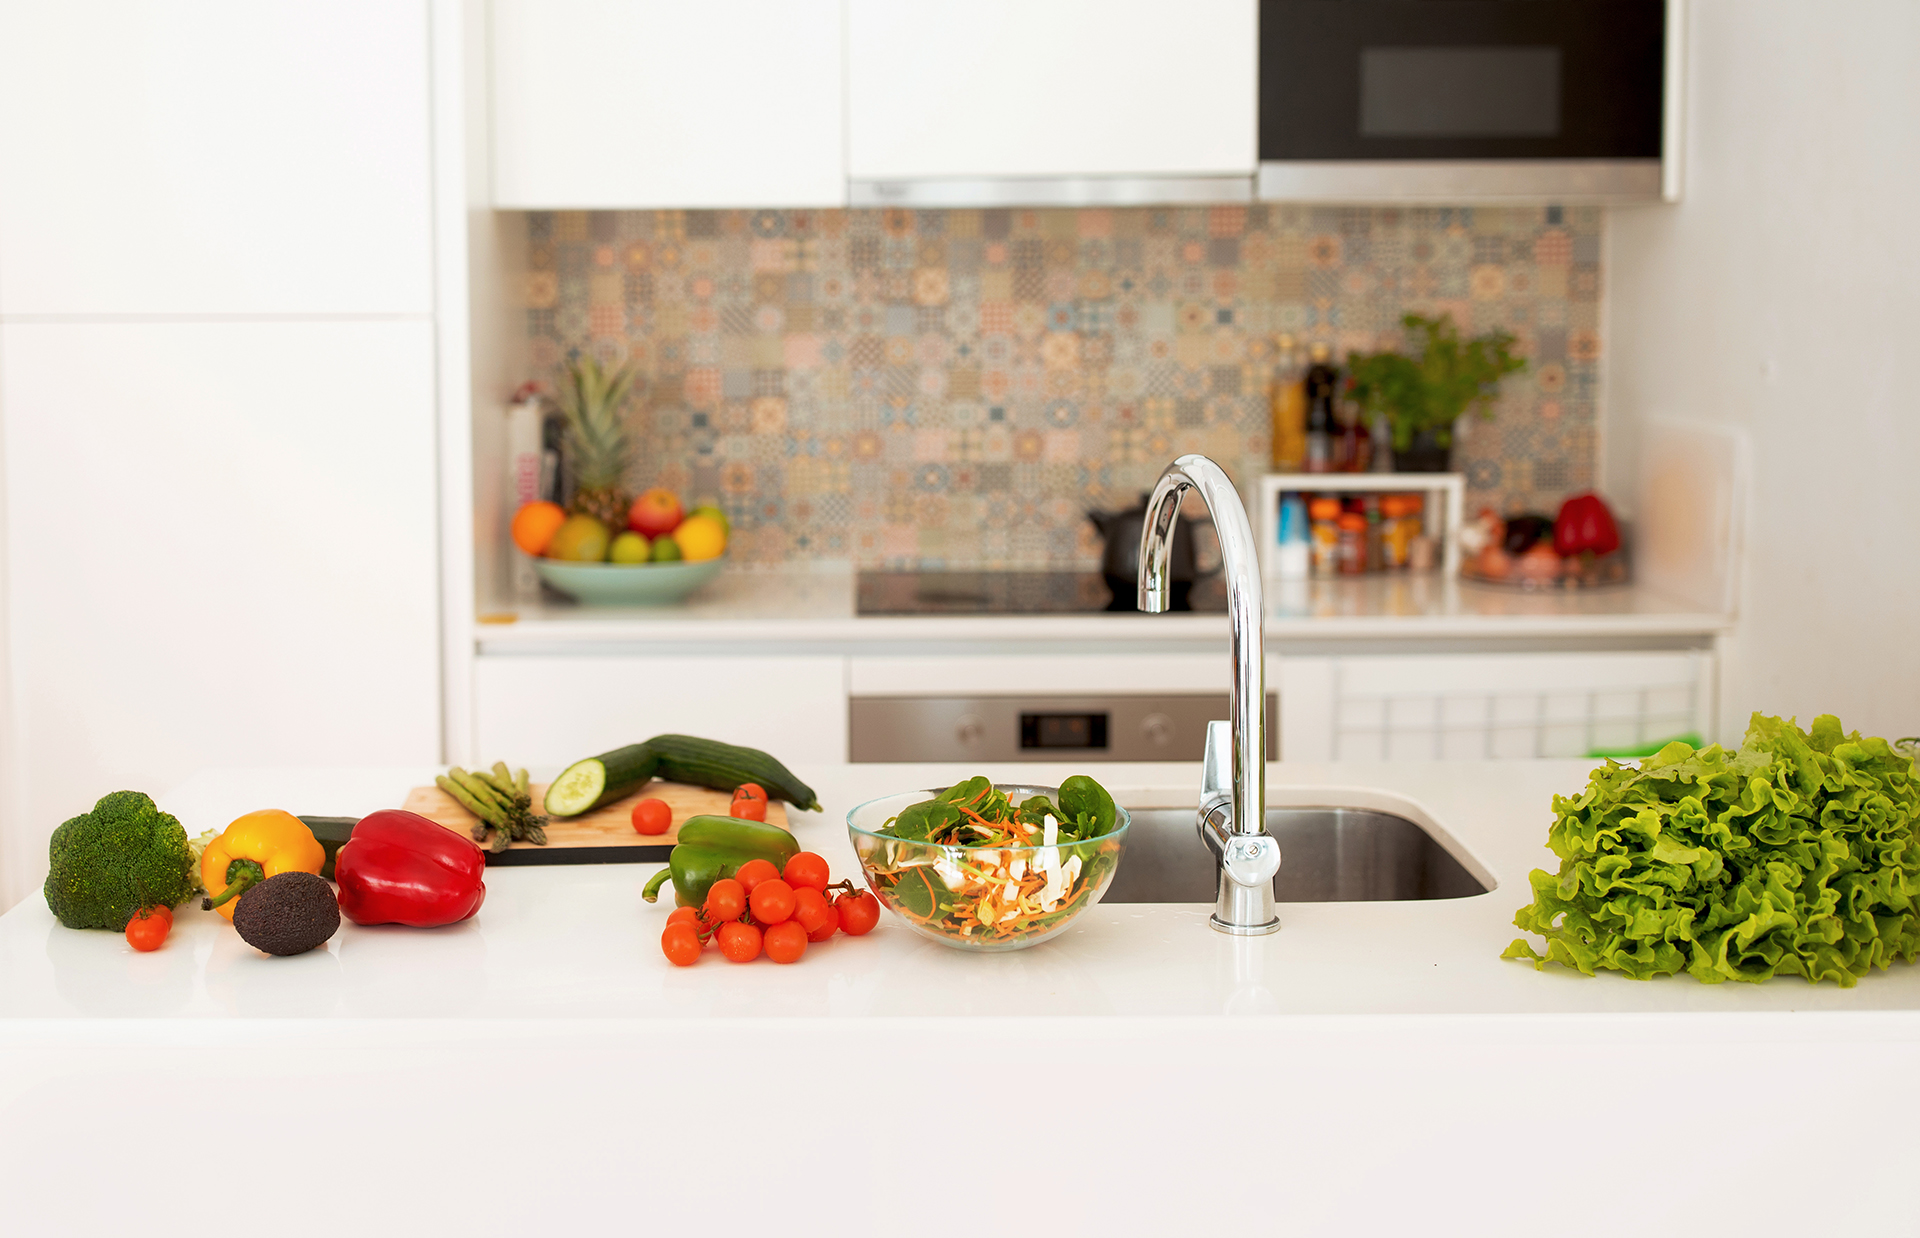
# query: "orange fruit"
{"points": [[535, 524], [700, 537]]}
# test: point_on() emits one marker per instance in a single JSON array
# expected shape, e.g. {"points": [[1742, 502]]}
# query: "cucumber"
{"points": [[585, 785], [710, 763], [331, 833]]}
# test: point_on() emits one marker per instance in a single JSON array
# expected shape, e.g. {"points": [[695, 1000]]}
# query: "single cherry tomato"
{"points": [[687, 915], [753, 872], [750, 791], [858, 913], [739, 942], [681, 944], [748, 810], [726, 900], [772, 901], [148, 928], [806, 869], [786, 942], [828, 929], [810, 909], [651, 816]]}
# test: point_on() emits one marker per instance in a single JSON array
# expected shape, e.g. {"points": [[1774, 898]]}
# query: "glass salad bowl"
{"points": [[984, 897]]}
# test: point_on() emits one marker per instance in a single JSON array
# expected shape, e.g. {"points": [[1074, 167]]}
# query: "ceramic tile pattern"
{"points": [[954, 388]]}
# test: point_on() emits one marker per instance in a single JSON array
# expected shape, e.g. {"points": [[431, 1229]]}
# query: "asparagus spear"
{"points": [[486, 812]]}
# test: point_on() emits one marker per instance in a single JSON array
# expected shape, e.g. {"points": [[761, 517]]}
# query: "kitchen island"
{"points": [[1370, 1068]]}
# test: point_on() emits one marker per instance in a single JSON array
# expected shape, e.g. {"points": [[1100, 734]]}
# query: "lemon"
{"points": [[700, 537], [582, 539], [629, 547]]}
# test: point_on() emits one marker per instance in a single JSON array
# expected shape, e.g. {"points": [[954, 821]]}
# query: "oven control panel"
{"points": [[1156, 727]]}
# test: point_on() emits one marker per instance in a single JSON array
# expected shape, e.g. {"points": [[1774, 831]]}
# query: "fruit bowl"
{"points": [[987, 899], [627, 584]]}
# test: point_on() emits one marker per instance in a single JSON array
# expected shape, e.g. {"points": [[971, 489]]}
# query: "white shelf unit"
{"points": [[1446, 495]]}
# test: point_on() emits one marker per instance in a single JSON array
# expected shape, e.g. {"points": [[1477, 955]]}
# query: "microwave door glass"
{"points": [[1460, 92]]}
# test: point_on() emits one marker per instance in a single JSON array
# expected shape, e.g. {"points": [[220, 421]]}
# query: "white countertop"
{"points": [[1370, 1069], [577, 941], [815, 604]]}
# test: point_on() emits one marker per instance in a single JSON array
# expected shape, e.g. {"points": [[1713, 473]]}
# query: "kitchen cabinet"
{"points": [[1050, 88], [221, 157], [652, 103], [1474, 706], [553, 709], [220, 547]]}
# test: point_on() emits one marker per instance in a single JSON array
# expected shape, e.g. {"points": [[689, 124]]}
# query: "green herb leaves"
{"points": [[1796, 855]]}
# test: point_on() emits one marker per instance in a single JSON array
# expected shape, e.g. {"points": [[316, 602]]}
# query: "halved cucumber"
{"points": [[585, 785]]}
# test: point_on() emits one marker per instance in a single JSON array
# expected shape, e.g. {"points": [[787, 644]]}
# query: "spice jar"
{"points": [[1352, 556], [1324, 534]]}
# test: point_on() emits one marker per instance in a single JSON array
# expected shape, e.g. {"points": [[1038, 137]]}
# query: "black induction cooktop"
{"points": [[1016, 593]]}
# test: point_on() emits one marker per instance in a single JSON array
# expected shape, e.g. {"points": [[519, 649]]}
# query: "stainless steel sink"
{"points": [[1328, 855]]}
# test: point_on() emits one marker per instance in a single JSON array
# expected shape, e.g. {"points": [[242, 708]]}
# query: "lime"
{"points": [[666, 550], [629, 547]]}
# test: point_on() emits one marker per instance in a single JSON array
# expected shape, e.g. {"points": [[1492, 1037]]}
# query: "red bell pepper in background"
{"points": [[1585, 526], [400, 868]]}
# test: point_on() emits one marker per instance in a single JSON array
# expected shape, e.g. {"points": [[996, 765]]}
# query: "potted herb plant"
{"points": [[1421, 397]]}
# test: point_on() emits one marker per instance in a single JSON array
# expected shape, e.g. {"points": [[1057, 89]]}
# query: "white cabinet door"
{"points": [[220, 551], [663, 103], [1050, 88], [553, 709], [219, 157], [1472, 707]]}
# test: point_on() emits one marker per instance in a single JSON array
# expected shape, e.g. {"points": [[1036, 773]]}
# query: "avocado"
{"points": [[289, 913]]}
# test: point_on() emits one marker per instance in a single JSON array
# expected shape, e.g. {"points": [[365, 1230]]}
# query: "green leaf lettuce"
{"points": [[1795, 855]]}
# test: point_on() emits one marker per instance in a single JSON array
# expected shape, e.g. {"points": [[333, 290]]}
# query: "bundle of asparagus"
{"points": [[502, 799]]}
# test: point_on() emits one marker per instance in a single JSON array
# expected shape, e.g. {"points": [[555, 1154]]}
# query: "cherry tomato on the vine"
{"points": [[806, 869], [681, 944], [748, 810], [786, 942], [753, 872], [750, 791], [772, 901], [148, 928], [810, 909], [858, 913], [828, 929], [651, 816], [739, 942], [726, 900]]}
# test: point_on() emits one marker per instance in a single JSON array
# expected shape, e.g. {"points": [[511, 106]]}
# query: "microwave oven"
{"points": [[1470, 100]]}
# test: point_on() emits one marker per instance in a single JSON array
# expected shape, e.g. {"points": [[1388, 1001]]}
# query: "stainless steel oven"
{"points": [[1146, 727], [1470, 100]]}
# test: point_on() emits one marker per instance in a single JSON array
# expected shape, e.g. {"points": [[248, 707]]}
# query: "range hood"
{"points": [[1049, 191]]}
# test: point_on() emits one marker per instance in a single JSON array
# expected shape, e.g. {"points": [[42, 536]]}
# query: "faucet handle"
{"points": [[1250, 859], [1216, 775]]}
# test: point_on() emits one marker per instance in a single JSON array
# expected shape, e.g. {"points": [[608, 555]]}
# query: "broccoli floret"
{"points": [[107, 864]]}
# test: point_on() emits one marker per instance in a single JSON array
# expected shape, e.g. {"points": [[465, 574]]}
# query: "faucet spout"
{"points": [[1232, 819]]}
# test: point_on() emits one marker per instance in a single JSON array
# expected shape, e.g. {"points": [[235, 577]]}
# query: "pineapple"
{"points": [[597, 439]]}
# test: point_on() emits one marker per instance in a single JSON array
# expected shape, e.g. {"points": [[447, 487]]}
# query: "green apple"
{"points": [[708, 509], [629, 547], [582, 539]]}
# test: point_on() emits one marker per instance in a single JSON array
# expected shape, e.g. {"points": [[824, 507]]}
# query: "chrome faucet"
{"points": [[1233, 785]]}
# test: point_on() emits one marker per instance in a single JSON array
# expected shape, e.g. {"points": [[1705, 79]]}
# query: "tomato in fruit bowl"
{"points": [[655, 512]]}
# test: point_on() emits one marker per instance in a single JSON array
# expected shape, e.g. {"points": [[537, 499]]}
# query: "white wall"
{"points": [[1782, 297]]}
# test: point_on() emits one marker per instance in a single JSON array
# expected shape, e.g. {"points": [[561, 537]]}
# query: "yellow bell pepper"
{"points": [[255, 847]]}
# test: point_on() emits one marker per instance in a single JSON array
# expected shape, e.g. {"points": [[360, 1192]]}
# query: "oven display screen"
{"points": [[1063, 730]]}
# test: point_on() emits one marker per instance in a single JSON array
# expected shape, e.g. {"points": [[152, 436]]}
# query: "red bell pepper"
{"points": [[1585, 526], [400, 868]]}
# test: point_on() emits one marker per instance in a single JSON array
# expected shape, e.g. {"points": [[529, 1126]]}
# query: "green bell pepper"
{"points": [[710, 848]]}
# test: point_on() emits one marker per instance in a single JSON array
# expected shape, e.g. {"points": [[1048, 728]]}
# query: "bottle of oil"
{"points": [[1287, 402], [1322, 388]]}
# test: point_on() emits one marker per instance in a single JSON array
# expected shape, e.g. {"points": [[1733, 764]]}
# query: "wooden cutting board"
{"points": [[603, 836]]}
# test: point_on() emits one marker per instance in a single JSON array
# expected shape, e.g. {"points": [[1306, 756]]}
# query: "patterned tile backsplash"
{"points": [[956, 387]]}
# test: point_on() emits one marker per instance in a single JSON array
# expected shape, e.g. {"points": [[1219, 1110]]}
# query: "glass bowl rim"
{"points": [[1123, 820]]}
